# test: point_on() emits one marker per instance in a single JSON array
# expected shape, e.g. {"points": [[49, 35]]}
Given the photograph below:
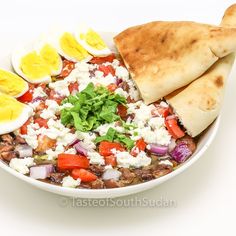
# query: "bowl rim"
{"points": [[114, 192]]}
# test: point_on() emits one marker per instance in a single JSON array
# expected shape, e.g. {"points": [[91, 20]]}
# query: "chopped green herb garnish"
{"points": [[92, 107], [113, 136]]}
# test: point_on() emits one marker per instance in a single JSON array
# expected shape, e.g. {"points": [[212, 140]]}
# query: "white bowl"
{"points": [[203, 143]]}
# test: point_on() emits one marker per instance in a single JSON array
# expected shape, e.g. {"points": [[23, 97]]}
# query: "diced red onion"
{"points": [[181, 152], [41, 171], [111, 174], [118, 81], [24, 150], [158, 149], [172, 145], [80, 149], [74, 142], [37, 99]]}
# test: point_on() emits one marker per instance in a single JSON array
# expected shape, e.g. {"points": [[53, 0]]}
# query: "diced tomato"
{"points": [[26, 97], [84, 175], [112, 87], [72, 161], [107, 70], [100, 60], [68, 66], [105, 148], [45, 143], [41, 122], [110, 160], [139, 146], [23, 129], [122, 111], [174, 129], [73, 87], [163, 111], [54, 96]]}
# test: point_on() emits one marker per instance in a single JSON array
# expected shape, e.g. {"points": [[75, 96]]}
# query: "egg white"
{"points": [[26, 86], [95, 52], [10, 126]]}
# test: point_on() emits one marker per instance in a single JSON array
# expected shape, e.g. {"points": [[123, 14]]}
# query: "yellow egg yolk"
{"points": [[11, 84], [34, 66], [72, 48], [93, 39], [10, 108], [50, 57]]}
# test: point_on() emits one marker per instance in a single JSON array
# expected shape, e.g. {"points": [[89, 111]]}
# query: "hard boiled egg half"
{"points": [[91, 41], [37, 64], [68, 47], [13, 114], [12, 84]]}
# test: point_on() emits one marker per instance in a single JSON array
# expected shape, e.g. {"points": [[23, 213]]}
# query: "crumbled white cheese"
{"points": [[39, 93], [102, 129], [87, 140], [34, 104], [65, 105], [156, 122], [69, 182], [51, 111], [121, 92], [166, 162], [56, 130], [60, 87], [115, 63], [95, 158], [124, 159], [53, 154], [157, 136], [22, 165], [164, 104], [142, 114], [31, 136], [122, 73]]}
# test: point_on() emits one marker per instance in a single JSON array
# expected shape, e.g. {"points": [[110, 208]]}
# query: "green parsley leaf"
{"points": [[91, 107]]}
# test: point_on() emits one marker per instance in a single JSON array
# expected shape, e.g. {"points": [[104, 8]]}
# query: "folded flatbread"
{"points": [[164, 56], [199, 103]]}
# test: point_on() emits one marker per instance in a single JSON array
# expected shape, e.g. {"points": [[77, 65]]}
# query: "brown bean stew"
{"points": [[90, 129]]}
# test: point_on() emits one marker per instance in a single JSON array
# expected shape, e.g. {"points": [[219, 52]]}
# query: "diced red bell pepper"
{"points": [[72, 161], [84, 175], [105, 148]]}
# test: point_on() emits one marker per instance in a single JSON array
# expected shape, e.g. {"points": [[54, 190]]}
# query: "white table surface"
{"points": [[205, 194]]}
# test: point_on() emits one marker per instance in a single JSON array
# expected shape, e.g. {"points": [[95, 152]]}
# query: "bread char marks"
{"points": [[219, 81]]}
